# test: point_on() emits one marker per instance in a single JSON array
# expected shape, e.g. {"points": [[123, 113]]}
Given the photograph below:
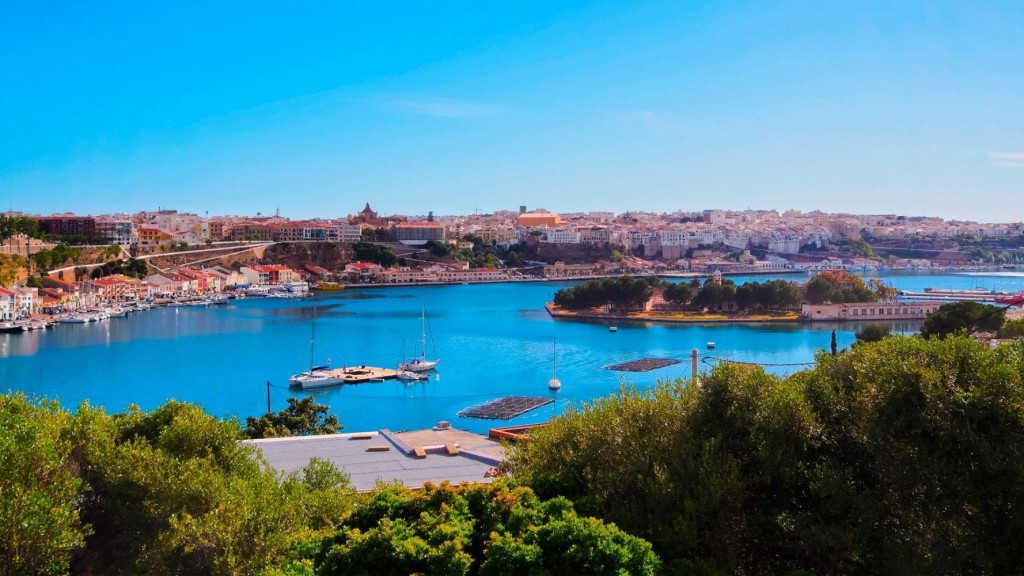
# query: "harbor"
{"points": [[494, 340]]}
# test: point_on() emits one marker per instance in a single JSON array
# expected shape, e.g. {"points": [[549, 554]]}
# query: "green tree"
{"points": [[899, 456], [502, 529], [873, 332], [301, 418], [40, 492], [677, 293], [834, 347], [968, 317], [1012, 329], [715, 293]]}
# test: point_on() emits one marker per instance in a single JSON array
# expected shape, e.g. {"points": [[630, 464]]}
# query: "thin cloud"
{"points": [[652, 122], [443, 108], [1006, 159]]}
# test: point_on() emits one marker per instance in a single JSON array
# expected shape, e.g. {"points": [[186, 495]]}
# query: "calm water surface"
{"points": [[493, 340]]}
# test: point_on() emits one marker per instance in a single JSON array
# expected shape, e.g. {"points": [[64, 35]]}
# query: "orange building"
{"points": [[534, 219]]}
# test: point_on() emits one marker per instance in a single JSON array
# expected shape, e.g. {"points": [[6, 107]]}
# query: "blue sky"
{"points": [[316, 108]]}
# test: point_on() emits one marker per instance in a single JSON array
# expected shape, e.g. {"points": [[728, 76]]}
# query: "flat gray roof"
{"points": [[477, 455]]}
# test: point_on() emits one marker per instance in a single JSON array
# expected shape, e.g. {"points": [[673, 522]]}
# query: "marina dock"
{"points": [[363, 374]]}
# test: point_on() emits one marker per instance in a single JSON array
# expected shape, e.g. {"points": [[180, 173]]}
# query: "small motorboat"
{"points": [[711, 345], [613, 329], [11, 328]]}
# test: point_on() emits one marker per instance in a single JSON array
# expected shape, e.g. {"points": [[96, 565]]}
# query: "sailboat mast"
{"points": [[423, 327], [554, 357], [312, 343]]}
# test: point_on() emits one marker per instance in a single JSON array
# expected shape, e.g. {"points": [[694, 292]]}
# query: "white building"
{"points": [[562, 236]]}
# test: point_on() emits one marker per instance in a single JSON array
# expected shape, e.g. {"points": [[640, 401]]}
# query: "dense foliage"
{"points": [[838, 287], [621, 292], [55, 257], [166, 492], [302, 417], [966, 317], [11, 225], [1012, 329], [771, 295], [132, 267], [39, 489], [873, 332], [904, 456], [491, 529], [383, 255], [677, 293]]}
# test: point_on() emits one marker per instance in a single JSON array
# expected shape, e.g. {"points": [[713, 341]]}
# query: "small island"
{"points": [[716, 300]]}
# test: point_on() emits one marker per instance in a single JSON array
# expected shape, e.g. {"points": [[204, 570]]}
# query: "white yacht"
{"points": [[318, 377]]}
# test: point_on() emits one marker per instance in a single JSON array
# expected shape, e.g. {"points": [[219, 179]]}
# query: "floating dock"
{"points": [[505, 408], [364, 374], [643, 365]]}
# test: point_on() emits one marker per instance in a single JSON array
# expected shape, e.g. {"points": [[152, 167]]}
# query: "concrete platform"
{"points": [[362, 457]]}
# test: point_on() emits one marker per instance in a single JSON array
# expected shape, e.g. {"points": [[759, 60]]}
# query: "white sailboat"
{"points": [[405, 375], [317, 376], [421, 364], [554, 383]]}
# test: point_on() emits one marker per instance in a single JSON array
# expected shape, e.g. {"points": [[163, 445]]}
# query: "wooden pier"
{"points": [[364, 374]]}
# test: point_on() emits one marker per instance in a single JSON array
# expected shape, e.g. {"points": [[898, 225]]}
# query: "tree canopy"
{"points": [[900, 456], [965, 316], [621, 292], [488, 529], [302, 417], [838, 287]]}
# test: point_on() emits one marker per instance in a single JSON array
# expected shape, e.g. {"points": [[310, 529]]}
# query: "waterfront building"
{"points": [[363, 269], [172, 284], [474, 275], [562, 270], [228, 278], [870, 311], [7, 306], [404, 275], [25, 301], [258, 275]]}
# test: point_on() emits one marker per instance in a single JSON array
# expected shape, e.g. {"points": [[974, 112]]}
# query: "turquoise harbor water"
{"points": [[493, 340]]}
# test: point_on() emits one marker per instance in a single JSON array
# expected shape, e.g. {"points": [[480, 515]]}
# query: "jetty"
{"points": [[364, 374]]}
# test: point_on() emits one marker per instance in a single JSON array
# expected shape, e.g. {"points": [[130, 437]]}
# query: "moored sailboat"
{"points": [[421, 364]]}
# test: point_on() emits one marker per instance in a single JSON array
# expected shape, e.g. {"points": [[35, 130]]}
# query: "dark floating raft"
{"points": [[505, 408], [643, 365]]}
